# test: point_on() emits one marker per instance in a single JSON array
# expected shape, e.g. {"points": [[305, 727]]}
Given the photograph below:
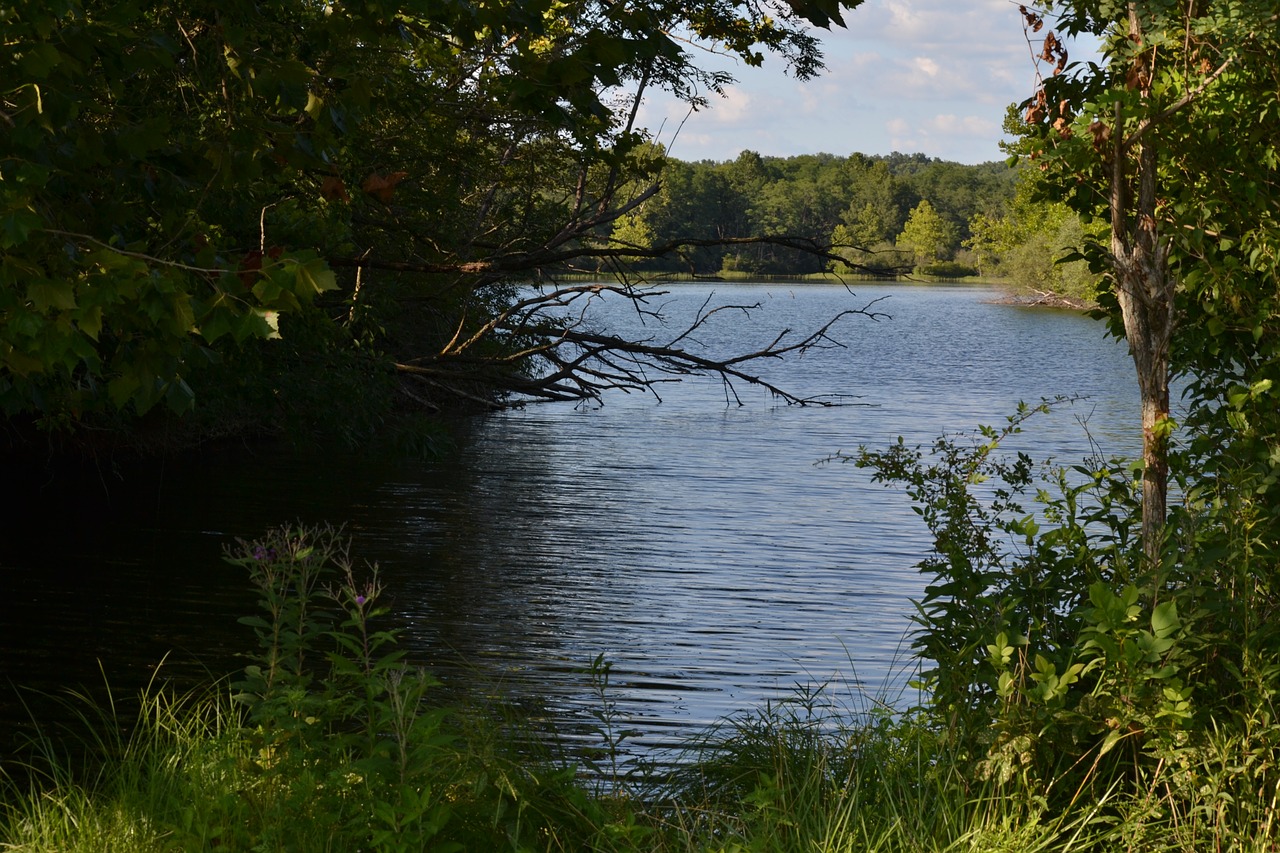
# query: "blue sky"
{"points": [[930, 76]]}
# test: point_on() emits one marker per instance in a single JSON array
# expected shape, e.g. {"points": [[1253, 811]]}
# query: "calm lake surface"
{"points": [[694, 543]]}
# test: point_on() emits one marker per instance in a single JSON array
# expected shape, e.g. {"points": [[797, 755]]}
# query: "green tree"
{"points": [[874, 212], [1140, 143], [632, 230], [958, 193], [178, 181], [1029, 242], [928, 235]]}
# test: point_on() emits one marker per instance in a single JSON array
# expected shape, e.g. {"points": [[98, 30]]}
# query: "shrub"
{"points": [[948, 269], [1067, 670]]}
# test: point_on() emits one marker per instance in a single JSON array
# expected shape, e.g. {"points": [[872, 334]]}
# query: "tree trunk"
{"points": [[1144, 289], [1145, 293]]}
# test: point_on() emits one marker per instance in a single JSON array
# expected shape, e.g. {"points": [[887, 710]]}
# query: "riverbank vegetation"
{"points": [[1099, 662], [1051, 718]]}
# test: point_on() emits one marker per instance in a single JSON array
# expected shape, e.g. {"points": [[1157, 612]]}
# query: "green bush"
{"points": [[1076, 699], [1068, 671], [948, 269], [329, 741]]}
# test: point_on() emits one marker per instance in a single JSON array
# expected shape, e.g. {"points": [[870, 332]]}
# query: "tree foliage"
{"points": [[1171, 141], [860, 203], [926, 234], [1085, 647], [1030, 242], [180, 181]]}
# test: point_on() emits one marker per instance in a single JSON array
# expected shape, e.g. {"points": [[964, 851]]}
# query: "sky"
{"points": [[929, 76]]}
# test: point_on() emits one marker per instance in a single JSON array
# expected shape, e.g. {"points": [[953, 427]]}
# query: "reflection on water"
{"points": [[697, 546]]}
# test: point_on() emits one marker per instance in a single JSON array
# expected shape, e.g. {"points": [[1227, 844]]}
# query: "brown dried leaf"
{"points": [[383, 187], [332, 188], [1032, 20], [1038, 108], [1049, 51], [1101, 135]]}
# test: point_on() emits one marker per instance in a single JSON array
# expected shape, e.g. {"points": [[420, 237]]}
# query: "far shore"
{"points": [[1012, 295]]}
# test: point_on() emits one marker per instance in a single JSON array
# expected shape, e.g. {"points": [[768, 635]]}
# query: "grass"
{"points": [[190, 772], [331, 743]]}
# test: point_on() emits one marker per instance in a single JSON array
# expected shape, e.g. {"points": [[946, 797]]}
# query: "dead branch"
{"points": [[581, 363]]}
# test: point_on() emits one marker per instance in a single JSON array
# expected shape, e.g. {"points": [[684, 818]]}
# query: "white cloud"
{"points": [[735, 107], [902, 136], [925, 65], [907, 18], [976, 126]]}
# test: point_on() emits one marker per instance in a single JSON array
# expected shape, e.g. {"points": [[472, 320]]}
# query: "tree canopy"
{"points": [[859, 203], [180, 180]]}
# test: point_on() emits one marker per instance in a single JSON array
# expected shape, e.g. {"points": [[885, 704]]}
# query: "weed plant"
{"points": [[1069, 673], [329, 741]]}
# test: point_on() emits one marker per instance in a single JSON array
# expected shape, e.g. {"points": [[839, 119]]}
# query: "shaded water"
{"points": [[695, 544]]}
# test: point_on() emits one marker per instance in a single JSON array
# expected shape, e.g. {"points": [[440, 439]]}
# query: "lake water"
{"points": [[694, 543]]}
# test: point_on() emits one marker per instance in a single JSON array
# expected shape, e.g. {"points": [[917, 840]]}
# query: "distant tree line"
{"points": [[883, 213]]}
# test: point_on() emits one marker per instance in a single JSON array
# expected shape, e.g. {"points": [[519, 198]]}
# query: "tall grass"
{"points": [[797, 776], [187, 773], [111, 780], [330, 743]]}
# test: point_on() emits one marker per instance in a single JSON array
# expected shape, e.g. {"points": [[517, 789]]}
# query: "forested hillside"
{"points": [[883, 212]]}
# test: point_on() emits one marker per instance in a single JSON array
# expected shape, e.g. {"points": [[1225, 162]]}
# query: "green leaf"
{"points": [[179, 397], [263, 324], [252, 324], [216, 324], [1109, 742], [123, 388], [15, 227], [314, 276], [267, 290], [46, 294], [90, 322], [39, 59], [1164, 619]]}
